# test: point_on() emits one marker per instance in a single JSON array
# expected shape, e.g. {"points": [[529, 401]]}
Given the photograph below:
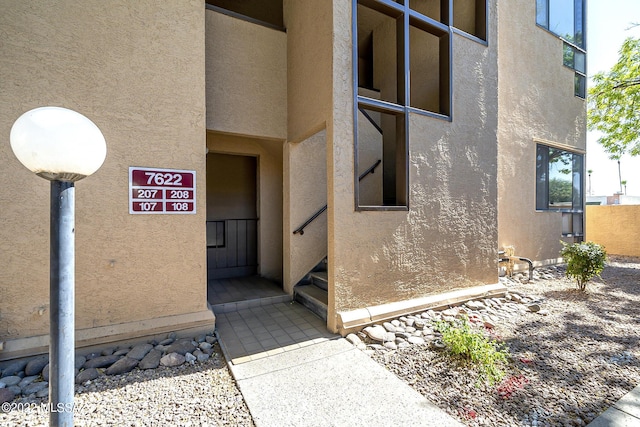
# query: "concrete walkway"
{"points": [[319, 379], [624, 413]]}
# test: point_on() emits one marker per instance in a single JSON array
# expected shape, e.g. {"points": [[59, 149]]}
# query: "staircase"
{"points": [[312, 291]]}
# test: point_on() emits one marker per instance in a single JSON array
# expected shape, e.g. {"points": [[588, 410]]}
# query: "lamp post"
{"points": [[62, 146]]}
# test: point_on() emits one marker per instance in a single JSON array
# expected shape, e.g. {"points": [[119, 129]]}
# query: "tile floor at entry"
{"points": [[257, 332]]}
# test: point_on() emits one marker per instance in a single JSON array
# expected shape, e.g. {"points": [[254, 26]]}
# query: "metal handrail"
{"points": [[300, 230], [373, 122]]}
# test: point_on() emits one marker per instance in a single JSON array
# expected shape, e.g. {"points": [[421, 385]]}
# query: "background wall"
{"points": [[616, 227], [536, 99], [246, 77], [137, 70]]}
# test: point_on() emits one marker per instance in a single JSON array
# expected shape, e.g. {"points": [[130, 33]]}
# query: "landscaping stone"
{"points": [[101, 361], [151, 360], [123, 365], [6, 395], [172, 359], [34, 387], [12, 380], [35, 366], [87, 375], [13, 368], [139, 351], [182, 347]]}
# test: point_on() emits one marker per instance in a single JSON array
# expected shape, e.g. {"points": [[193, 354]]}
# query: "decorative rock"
{"points": [[419, 324], [389, 336], [108, 351], [87, 375], [172, 335], [437, 344], [168, 341], [15, 389], [201, 356], [390, 345], [181, 347], [122, 352], [543, 312], [43, 393], [416, 340], [489, 324], [14, 368], [534, 308], [79, 361], [410, 322], [389, 327], [200, 338], [139, 351], [353, 339], [45, 372], [12, 380], [396, 322], [190, 358], [376, 333], [92, 355], [172, 359], [101, 361], [211, 339], [27, 380], [34, 388], [6, 395], [35, 366], [517, 298], [2, 385], [205, 346], [122, 366], [151, 360]]}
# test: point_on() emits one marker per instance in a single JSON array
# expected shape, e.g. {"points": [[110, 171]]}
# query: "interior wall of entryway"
{"points": [[268, 155]]}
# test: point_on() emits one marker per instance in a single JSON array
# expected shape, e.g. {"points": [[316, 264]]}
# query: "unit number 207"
{"points": [[159, 178]]}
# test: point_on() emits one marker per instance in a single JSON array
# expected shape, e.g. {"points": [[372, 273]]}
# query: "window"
{"points": [[575, 59], [403, 64], [559, 186], [565, 18]]}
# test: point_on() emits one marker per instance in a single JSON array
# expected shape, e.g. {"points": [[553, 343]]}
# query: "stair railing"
{"points": [[300, 230]]}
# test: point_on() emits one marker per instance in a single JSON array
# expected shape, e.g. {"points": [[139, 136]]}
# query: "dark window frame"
{"points": [[573, 216], [577, 44]]}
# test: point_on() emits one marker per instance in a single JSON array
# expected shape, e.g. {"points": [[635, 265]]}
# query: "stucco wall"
{"points": [[616, 227], [246, 77], [305, 194], [309, 39], [536, 98], [269, 154], [137, 70], [448, 237]]}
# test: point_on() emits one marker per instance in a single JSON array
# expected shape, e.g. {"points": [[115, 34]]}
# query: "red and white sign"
{"points": [[161, 191]]}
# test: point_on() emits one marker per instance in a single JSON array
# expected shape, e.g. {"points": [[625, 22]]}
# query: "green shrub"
{"points": [[584, 260], [470, 344]]}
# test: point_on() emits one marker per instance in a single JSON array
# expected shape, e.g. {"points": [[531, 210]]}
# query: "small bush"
{"points": [[584, 260], [464, 341]]}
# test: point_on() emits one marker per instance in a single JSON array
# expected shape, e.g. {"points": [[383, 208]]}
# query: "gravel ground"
{"points": [[203, 394], [566, 367]]}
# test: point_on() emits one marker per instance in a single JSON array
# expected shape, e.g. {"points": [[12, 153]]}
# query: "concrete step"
{"points": [[319, 278], [312, 297]]}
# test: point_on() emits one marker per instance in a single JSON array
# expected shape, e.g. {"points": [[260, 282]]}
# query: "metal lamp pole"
{"points": [[61, 146]]}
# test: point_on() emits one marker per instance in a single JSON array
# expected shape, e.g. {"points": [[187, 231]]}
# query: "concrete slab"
{"points": [[331, 384], [614, 417], [624, 413]]}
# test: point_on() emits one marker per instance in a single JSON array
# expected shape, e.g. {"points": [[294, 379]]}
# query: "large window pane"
{"points": [[560, 179], [561, 18], [542, 13]]}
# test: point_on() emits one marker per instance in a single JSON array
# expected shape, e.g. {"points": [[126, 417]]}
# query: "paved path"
{"points": [[316, 381], [625, 413]]}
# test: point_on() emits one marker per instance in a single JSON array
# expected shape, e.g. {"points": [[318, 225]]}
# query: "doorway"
{"points": [[232, 216]]}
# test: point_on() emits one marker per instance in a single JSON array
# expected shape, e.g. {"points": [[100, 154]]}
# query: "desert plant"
{"points": [[469, 343], [584, 260]]}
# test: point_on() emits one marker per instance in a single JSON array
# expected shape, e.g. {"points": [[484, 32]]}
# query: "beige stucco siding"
{"points": [[246, 77], [448, 237], [309, 41], [136, 70], [536, 97]]}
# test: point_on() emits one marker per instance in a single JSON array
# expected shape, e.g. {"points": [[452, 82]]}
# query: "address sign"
{"points": [[162, 191]]}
